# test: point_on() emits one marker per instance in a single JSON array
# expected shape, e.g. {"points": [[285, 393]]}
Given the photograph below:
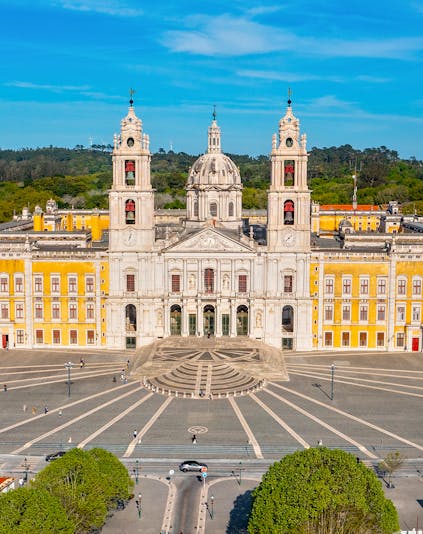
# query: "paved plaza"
{"points": [[146, 406]]}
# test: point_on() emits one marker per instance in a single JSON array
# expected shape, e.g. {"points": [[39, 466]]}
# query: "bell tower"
{"points": [[131, 199], [288, 207]]}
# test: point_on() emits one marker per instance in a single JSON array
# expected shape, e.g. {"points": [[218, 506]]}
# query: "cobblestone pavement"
{"points": [[371, 405]]}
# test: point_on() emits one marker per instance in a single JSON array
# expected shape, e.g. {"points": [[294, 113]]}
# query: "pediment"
{"points": [[209, 240]]}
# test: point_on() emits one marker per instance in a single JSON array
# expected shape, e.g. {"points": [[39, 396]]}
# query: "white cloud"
{"points": [[47, 87], [264, 10], [105, 7], [284, 76], [226, 35]]}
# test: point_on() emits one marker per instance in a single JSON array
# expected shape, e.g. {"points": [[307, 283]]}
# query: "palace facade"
{"points": [[300, 277]]}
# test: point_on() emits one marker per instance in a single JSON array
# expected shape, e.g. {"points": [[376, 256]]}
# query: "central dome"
{"points": [[214, 169]]}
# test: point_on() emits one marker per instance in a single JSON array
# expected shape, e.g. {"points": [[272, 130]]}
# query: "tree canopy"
{"points": [[319, 490]]}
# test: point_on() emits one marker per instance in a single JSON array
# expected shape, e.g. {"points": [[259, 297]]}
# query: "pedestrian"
{"points": [[21, 482], [319, 443], [24, 408], [127, 364], [114, 380], [194, 439], [135, 434], [5, 387], [33, 410], [82, 363], [45, 409], [60, 412], [208, 334]]}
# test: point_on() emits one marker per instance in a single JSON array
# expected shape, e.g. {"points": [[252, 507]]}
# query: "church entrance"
{"points": [[242, 321], [175, 320], [209, 319]]}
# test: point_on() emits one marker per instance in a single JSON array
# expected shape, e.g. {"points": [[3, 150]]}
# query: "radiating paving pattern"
{"points": [[209, 368]]}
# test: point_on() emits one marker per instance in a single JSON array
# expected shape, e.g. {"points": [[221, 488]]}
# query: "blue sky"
{"points": [[355, 70]]}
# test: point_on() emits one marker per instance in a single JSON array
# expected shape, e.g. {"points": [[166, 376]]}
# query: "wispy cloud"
{"points": [[284, 76], [105, 7], [227, 35], [264, 10], [47, 87]]}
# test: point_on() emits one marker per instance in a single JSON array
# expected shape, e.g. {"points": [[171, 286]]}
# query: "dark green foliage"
{"points": [[34, 511], [310, 490]]}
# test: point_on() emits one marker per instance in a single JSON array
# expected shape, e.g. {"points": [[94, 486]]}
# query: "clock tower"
{"points": [[288, 211], [131, 199]]}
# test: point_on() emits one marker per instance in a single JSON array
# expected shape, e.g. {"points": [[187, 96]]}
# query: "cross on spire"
{"points": [[289, 96], [214, 112], [131, 94]]}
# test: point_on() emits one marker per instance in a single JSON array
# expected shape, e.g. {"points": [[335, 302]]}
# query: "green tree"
{"points": [[31, 510], [77, 481], [118, 483], [391, 463], [305, 490]]}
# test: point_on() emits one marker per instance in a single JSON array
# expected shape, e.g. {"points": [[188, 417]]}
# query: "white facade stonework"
{"points": [[210, 275]]}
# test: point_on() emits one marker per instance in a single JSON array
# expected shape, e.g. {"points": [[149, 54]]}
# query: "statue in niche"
{"points": [[191, 281], [225, 281], [258, 319], [159, 318]]}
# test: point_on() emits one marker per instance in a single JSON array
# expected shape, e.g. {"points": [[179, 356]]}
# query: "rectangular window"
{"points": [[328, 339], [381, 312], [72, 284], [39, 336], [19, 286], [55, 284], [402, 286], [20, 337], [287, 283], [4, 284], [19, 310], [346, 312], [55, 310], [56, 337], [416, 313], [73, 310], [209, 280], [400, 314], [176, 283], [192, 324], [73, 337], [242, 283], [38, 310], [363, 339], [130, 282], [346, 286], [328, 312], [90, 310], [364, 286], [89, 284], [329, 284], [417, 286], [4, 311], [345, 339], [38, 284], [400, 339], [381, 286], [90, 337], [225, 324], [363, 313], [380, 339]]}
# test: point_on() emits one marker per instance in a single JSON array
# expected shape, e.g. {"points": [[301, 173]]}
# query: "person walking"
{"points": [[5, 387], [135, 434], [45, 409], [194, 439]]}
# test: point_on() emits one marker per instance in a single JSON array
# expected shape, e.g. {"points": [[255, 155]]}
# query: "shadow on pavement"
{"points": [[238, 519]]}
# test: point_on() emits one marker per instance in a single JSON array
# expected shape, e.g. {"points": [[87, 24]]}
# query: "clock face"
{"points": [[288, 238], [129, 238], [130, 142], [289, 142]]}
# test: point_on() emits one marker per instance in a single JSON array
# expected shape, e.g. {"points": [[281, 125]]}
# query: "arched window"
{"points": [[175, 320], [242, 321], [288, 212], [213, 209], [195, 208], [130, 318], [130, 212], [288, 319], [130, 172], [231, 209], [289, 173]]}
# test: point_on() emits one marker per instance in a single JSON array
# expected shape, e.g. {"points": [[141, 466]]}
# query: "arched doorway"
{"points": [[175, 320], [131, 326], [242, 321], [209, 319], [288, 319]]}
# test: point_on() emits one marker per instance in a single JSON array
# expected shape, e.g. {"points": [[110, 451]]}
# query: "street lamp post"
{"points": [[26, 467], [137, 471], [69, 366], [240, 470], [332, 368], [138, 503], [212, 506]]}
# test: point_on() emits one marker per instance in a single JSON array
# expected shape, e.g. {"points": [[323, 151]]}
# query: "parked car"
{"points": [[55, 456], [192, 465]]}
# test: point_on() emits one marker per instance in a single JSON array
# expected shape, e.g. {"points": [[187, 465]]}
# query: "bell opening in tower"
{"points": [[288, 212], [289, 173], [130, 212], [130, 172]]}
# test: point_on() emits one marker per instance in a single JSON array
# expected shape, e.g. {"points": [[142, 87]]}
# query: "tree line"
{"points": [[81, 177]]}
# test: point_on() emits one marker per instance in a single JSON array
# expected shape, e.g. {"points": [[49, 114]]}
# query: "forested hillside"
{"points": [[81, 177]]}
